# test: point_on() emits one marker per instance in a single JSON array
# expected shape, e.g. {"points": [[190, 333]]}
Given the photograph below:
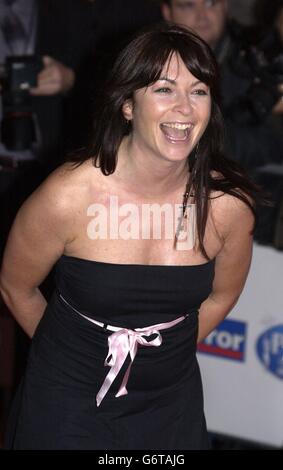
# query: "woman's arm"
{"points": [[234, 221], [37, 239]]}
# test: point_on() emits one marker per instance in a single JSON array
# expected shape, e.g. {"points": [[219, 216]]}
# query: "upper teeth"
{"points": [[177, 125]]}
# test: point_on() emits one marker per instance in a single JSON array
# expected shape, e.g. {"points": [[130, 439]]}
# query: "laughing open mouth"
{"points": [[176, 131]]}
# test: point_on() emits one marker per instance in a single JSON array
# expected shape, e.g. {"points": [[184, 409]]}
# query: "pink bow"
{"points": [[120, 344]]}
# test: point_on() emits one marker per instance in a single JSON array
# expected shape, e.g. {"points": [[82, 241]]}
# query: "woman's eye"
{"points": [[200, 92], [163, 90]]}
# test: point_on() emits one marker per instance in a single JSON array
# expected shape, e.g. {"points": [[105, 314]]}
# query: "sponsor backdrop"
{"points": [[242, 360]]}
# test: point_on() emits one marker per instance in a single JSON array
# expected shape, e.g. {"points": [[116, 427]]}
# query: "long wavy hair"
{"points": [[139, 65]]}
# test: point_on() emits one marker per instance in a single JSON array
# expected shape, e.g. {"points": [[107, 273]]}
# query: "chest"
{"points": [[120, 230]]}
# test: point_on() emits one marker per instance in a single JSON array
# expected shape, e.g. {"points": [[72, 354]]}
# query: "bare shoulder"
{"points": [[65, 190], [66, 184], [56, 203], [230, 213], [45, 224]]}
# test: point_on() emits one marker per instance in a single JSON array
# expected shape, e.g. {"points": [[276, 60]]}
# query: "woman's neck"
{"points": [[147, 173]]}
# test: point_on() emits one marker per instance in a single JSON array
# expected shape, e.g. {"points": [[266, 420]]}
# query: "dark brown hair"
{"points": [[140, 64]]}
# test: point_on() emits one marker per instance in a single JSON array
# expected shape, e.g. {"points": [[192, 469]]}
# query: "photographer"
{"points": [[249, 102], [42, 44]]}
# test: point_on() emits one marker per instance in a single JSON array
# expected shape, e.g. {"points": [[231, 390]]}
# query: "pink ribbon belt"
{"points": [[122, 342]]}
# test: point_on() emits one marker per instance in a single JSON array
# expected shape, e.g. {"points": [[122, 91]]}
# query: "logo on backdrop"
{"points": [[227, 341], [269, 349]]}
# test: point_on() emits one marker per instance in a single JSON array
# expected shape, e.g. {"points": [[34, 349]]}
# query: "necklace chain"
{"points": [[186, 196]]}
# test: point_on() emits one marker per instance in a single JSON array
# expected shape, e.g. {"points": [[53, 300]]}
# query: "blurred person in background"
{"points": [[266, 54], [42, 43], [250, 98], [269, 42]]}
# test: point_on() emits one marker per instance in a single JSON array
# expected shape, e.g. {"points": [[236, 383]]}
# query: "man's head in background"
{"points": [[205, 17]]}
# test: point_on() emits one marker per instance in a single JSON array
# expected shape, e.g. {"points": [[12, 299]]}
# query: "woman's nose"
{"points": [[183, 103]]}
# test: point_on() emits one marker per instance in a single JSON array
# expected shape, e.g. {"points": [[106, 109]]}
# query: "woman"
{"points": [[159, 132]]}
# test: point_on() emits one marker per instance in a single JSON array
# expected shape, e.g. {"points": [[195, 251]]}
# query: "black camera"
{"points": [[17, 76]]}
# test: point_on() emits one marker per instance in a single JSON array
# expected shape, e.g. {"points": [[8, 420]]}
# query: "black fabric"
{"points": [[13, 30], [271, 178], [251, 141], [55, 407], [113, 24], [64, 33]]}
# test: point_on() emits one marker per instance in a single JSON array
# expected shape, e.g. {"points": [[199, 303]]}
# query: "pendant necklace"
{"points": [[185, 236]]}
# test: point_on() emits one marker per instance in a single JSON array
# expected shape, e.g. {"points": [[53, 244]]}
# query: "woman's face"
{"points": [[170, 116]]}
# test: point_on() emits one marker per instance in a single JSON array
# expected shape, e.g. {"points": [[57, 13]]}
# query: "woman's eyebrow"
{"points": [[198, 82], [173, 82], [166, 79]]}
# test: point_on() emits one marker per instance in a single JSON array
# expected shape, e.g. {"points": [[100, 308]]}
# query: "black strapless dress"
{"points": [[55, 406]]}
